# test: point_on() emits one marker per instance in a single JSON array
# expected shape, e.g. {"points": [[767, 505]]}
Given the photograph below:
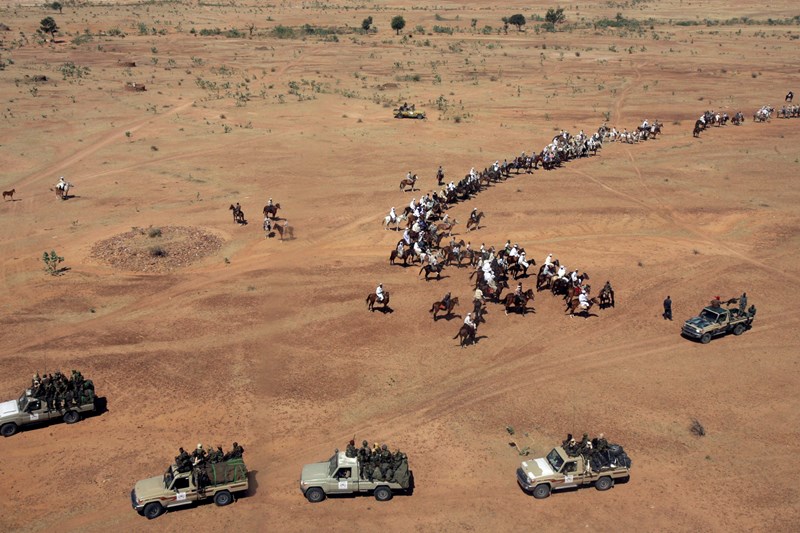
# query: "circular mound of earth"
{"points": [[156, 249]]}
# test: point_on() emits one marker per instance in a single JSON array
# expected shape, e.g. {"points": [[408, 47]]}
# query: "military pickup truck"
{"points": [[717, 320], [560, 471], [29, 410], [151, 497], [341, 475]]}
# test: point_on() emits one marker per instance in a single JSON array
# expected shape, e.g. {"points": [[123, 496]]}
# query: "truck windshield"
{"points": [[333, 464], [23, 403], [709, 315], [555, 460]]}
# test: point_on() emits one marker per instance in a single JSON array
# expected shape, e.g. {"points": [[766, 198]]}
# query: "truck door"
{"points": [[570, 476], [344, 481], [37, 412], [184, 493]]}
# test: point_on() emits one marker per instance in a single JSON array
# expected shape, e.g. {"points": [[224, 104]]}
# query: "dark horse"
{"points": [[520, 303], [698, 127], [438, 306], [429, 269], [238, 214], [272, 210], [372, 299]]}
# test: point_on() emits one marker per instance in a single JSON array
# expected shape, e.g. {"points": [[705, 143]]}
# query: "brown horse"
{"points": [[393, 256], [238, 214], [574, 306], [466, 335], [438, 306], [474, 223], [522, 305], [372, 299], [272, 210], [432, 269], [408, 182], [607, 297], [285, 231], [9, 194]]}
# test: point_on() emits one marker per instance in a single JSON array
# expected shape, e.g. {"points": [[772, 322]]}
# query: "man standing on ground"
{"points": [[667, 309]]}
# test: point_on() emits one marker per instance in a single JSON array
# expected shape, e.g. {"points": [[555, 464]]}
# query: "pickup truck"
{"points": [[151, 497], [29, 410], [342, 475], [558, 470], [717, 320]]}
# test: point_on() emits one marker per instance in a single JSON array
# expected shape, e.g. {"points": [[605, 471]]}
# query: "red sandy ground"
{"points": [[273, 347]]}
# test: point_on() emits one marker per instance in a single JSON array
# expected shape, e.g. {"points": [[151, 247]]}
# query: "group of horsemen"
{"points": [[60, 392]]}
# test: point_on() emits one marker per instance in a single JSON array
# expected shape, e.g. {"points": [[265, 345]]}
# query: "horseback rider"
{"points": [[607, 289], [562, 271], [514, 251], [474, 215], [548, 261], [789, 96], [392, 215], [61, 183], [583, 300], [645, 125], [574, 276], [470, 323], [446, 301], [267, 226], [379, 292], [400, 249], [269, 203], [521, 261], [518, 294]]}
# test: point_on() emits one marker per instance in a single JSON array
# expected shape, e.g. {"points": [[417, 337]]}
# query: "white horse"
{"points": [[387, 220], [62, 189]]}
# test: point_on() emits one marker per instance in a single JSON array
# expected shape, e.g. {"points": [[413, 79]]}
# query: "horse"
{"points": [[272, 210], [559, 286], [286, 231], [62, 189], [574, 306], [393, 256], [466, 335], [447, 227], [408, 182], [519, 271], [431, 269], [397, 220], [440, 177], [9, 194], [520, 303], [607, 297], [698, 127], [437, 306], [474, 221], [238, 214], [372, 299]]}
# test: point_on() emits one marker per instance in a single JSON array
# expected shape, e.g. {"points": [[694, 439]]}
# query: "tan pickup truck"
{"points": [[151, 497], [28, 410], [559, 471]]}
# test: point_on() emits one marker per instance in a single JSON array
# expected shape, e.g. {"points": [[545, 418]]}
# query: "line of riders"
{"points": [[200, 457], [378, 463], [61, 392], [716, 118]]}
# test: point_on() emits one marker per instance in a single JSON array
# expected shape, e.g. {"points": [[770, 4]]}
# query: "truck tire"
{"points": [[542, 491], [223, 498], [70, 417], [706, 338], [604, 483], [383, 494], [153, 510], [8, 429], [315, 495], [739, 329]]}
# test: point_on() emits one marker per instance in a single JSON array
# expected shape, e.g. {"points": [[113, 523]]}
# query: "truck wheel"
{"points": [[153, 510], [738, 330], [8, 429], [223, 498], [70, 417], [315, 495], [541, 492], [706, 338], [604, 483], [383, 494]]}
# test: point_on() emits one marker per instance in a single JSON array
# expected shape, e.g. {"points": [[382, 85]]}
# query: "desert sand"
{"points": [[269, 343]]}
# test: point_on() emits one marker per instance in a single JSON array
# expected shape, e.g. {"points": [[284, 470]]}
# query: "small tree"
{"points": [[517, 20], [555, 16], [398, 23], [48, 25], [366, 24], [56, 6], [505, 24], [51, 262]]}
